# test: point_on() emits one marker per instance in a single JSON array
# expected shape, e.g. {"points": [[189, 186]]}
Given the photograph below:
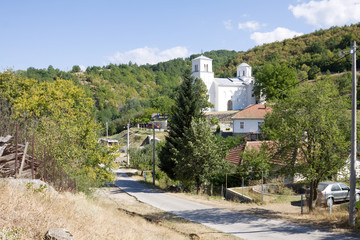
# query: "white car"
{"points": [[330, 192]]}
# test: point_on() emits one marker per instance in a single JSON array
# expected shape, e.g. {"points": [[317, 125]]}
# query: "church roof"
{"points": [[244, 65], [254, 111], [202, 57], [236, 81]]}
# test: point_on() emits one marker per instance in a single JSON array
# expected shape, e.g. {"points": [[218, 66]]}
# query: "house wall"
{"points": [[250, 126], [344, 173]]}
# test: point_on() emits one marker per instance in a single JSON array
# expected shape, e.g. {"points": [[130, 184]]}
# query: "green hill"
{"points": [[128, 91]]}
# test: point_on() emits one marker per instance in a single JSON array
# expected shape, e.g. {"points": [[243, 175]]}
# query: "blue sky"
{"points": [[63, 33]]}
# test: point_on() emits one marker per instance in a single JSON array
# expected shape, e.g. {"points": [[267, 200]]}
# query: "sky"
{"points": [[64, 33]]}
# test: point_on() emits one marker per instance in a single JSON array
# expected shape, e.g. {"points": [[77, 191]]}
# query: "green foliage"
{"points": [[218, 129], [229, 142], [254, 162], [318, 49], [200, 157], [214, 120], [310, 130], [75, 69], [274, 81], [190, 101], [142, 158], [62, 117]]}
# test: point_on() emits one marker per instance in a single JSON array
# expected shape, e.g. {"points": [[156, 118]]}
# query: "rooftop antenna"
{"points": [[202, 52]]}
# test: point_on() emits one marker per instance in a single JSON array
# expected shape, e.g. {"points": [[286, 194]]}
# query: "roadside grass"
{"points": [[28, 214]]}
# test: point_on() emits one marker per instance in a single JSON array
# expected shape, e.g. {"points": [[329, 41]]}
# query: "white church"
{"points": [[225, 93]]}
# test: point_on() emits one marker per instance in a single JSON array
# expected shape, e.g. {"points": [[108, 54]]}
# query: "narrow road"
{"points": [[241, 225]]}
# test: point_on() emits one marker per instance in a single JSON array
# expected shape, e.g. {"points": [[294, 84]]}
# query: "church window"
{"points": [[206, 67], [241, 125], [196, 68], [229, 107], [243, 73]]}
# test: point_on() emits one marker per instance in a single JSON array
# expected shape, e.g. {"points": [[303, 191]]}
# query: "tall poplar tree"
{"points": [[190, 102]]}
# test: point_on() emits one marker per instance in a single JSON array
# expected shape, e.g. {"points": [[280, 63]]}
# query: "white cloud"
{"points": [[249, 25], [228, 24], [149, 55], [327, 13], [278, 34]]}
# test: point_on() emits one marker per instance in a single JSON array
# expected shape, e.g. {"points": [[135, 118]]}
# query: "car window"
{"points": [[343, 186], [322, 186], [335, 187]]}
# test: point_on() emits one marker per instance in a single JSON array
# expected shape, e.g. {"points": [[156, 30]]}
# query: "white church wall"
{"points": [[249, 125], [241, 97]]}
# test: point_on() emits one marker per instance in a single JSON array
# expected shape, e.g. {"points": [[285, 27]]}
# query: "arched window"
{"points": [[229, 105]]}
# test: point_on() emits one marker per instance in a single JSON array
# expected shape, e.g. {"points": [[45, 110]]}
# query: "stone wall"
{"points": [[235, 196]]}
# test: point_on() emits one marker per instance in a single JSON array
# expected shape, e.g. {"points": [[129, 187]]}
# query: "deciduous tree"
{"points": [[310, 128]]}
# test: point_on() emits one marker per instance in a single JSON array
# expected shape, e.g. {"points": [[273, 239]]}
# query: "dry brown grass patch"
{"points": [[27, 214]]}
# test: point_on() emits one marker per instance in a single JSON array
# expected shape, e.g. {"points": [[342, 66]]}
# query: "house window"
{"points": [[196, 68], [241, 125], [206, 67]]}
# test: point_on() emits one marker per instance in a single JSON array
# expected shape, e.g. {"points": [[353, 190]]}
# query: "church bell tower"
{"points": [[202, 68]]}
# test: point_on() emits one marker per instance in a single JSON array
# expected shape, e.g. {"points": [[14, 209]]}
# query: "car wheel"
{"points": [[357, 197], [330, 202]]}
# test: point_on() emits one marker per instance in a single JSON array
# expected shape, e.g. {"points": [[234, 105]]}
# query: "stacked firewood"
{"points": [[9, 152]]}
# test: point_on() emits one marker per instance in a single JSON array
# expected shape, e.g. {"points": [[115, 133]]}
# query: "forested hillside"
{"points": [[128, 91]]}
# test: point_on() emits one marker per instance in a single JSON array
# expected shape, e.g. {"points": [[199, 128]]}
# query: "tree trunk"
{"points": [[313, 194]]}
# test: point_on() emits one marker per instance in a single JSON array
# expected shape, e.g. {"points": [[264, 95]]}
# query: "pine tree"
{"points": [[190, 102]]}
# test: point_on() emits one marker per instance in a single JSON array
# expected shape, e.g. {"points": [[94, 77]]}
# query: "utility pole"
{"points": [[353, 139], [128, 142], [153, 153], [107, 131]]}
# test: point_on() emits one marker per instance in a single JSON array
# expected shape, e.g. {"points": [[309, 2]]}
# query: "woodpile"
{"points": [[9, 152]]}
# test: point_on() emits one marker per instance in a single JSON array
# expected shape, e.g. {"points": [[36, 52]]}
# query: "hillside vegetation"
{"points": [[128, 91]]}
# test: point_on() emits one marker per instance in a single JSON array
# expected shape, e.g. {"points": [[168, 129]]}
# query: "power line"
{"points": [[305, 80]]}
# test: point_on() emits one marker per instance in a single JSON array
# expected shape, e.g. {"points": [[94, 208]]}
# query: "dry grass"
{"points": [[27, 214]]}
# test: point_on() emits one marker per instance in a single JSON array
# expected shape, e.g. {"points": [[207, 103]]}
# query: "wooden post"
{"points": [[44, 173], [16, 148], [32, 157], [23, 159]]}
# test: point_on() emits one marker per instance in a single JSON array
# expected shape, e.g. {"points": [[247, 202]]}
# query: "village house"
{"points": [[234, 156], [225, 93], [249, 120]]}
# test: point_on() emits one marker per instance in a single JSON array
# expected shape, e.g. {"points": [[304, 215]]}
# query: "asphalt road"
{"points": [[242, 225]]}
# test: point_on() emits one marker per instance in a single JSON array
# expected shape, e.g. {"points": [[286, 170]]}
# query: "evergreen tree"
{"points": [[190, 102], [200, 157]]}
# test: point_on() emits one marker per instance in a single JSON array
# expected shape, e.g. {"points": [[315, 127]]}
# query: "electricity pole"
{"points": [[153, 153], [353, 139], [128, 156]]}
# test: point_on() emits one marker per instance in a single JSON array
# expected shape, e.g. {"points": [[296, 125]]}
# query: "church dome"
{"points": [[244, 65]]}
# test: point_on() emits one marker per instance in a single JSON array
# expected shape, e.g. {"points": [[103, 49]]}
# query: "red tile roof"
{"points": [[255, 111], [234, 154]]}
